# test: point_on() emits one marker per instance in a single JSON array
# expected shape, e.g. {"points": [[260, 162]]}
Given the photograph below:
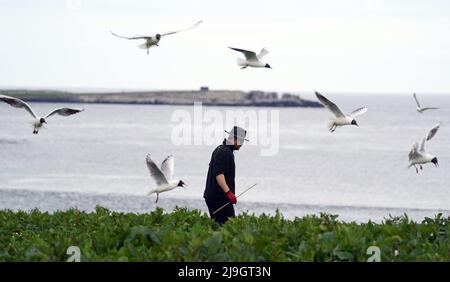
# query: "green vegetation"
{"points": [[184, 235]]}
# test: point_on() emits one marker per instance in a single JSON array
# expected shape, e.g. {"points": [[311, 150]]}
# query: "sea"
{"points": [[97, 158]]}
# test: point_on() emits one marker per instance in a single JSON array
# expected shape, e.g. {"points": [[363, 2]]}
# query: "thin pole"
{"points": [[236, 197]]}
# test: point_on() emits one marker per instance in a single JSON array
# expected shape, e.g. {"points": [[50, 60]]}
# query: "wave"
{"points": [[12, 141]]}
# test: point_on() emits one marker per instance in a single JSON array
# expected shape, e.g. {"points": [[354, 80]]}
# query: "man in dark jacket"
{"points": [[220, 187]]}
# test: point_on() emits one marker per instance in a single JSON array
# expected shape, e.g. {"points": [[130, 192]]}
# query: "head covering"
{"points": [[238, 132]]}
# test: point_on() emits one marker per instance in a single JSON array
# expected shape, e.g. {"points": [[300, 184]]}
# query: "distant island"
{"points": [[177, 97]]}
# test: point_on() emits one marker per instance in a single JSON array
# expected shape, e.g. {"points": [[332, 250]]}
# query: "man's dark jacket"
{"points": [[222, 162]]}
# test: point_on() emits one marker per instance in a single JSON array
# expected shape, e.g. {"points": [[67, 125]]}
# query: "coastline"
{"points": [[205, 96], [52, 201]]}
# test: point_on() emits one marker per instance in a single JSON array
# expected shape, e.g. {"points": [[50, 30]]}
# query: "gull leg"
{"points": [[243, 68], [333, 128], [147, 51], [157, 197], [417, 171], [420, 167]]}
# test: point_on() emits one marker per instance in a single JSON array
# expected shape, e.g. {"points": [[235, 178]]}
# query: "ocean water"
{"points": [[98, 158]]}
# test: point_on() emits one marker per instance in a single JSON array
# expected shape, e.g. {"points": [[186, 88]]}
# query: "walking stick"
{"points": [[236, 197]]}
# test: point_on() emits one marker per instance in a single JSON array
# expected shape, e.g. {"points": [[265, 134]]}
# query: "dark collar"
{"points": [[231, 147]]}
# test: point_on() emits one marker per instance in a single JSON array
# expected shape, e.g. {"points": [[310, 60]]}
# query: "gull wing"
{"points": [[429, 136], [429, 108], [64, 112], [189, 28], [168, 167], [358, 112], [249, 55], [417, 101], [131, 38], [155, 172], [422, 145], [263, 52], [414, 153], [433, 131], [17, 103], [330, 105]]}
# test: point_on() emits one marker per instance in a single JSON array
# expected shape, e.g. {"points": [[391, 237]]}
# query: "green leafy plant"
{"points": [[190, 235]]}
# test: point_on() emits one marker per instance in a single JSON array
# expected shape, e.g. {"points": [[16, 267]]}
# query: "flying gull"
{"points": [[163, 175], [419, 108], [418, 155], [153, 40], [251, 59], [38, 121], [340, 118]]}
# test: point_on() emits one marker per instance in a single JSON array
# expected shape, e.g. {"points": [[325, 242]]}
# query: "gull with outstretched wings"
{"points": [[163, 176], [418, 155], [339, 119], [38, 121], [251, 59], [153, 40], [419, 108]]}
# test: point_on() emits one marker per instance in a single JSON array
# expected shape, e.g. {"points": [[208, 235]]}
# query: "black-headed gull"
{"points": [[251, 59], [163, 176], [38, 121], [418, 155], [340, 118], [153, 40], [419, 108]]}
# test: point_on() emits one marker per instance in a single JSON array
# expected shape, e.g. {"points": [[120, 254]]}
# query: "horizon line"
{"points": [[80, 90]]}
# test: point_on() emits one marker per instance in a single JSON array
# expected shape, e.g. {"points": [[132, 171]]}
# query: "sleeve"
{"points": [[220, 163]]}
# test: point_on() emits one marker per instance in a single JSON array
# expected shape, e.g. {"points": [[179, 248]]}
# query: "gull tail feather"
{"points": [[151, 192], [144, 46]]}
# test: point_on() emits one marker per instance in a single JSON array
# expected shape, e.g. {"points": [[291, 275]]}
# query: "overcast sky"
{"points": [[334, 46]]}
